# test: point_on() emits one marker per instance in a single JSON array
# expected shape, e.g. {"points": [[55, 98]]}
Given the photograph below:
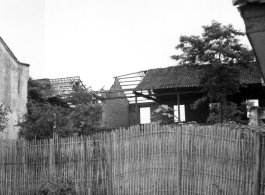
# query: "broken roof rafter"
{"points": [[139, 73], [129, 82], [66, 85], [116, 90]]}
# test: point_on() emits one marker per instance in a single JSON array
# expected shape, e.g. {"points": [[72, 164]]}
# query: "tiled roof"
{"points": [[189, 76]]}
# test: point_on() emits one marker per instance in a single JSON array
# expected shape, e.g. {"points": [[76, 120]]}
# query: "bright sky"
{"points": [[96, 39]]}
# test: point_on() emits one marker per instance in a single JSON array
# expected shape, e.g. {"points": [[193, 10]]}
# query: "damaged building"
{"points": [[133, 98], [14, 76]]}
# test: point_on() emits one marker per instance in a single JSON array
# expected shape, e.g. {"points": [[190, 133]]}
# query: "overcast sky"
{"points": [[96, 39]]}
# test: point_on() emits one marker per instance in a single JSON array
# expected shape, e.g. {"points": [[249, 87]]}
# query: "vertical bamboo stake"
{"points": [[157, 141], [205, 160], [175, 152], [142, 161], [245, 177], [179, 157], [262, 162], [200, 159], [231, 156], [51, 157], [211, 152], [225, 179], [146, 172], [119, 153], [258, 163], [109, 141], [237, 162], [133, 160], [129, 161]]}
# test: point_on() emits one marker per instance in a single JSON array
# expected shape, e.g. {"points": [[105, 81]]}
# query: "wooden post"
{"points": [[109, 145], [178, 108], [258, 164], [136, 111]]}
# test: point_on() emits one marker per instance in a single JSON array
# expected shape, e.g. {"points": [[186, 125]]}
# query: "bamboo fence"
{"points": [[188, 159]]}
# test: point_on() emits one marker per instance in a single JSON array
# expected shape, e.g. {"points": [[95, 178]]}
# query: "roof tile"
{"points": [[189, 76]]}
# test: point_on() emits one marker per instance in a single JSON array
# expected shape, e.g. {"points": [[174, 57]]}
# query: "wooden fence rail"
{"points": [[188, 159]]}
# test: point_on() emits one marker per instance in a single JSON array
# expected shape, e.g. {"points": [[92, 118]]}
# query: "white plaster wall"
{"points": [[13, 90]]}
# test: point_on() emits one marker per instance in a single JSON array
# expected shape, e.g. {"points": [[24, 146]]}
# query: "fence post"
{"points": [[109, 154], [179, 157], [51, 157], [257, 169]]}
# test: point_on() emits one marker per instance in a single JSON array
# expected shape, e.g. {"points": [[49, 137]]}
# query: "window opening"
{"points": [[253, 102], [145, 115], [182, 113]]}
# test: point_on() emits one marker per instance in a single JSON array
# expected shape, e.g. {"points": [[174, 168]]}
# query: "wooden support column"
{"points": [[136, 111], [178, 108]]}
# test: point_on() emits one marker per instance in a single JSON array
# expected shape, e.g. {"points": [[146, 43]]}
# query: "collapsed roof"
{"points": [[64, 86]]}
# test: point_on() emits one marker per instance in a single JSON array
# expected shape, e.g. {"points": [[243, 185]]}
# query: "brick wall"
{"points": [[115, 112]]}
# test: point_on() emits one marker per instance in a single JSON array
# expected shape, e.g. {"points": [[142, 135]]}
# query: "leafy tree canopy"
{"points": [[218, 44], [218, 47], [77, 114]]}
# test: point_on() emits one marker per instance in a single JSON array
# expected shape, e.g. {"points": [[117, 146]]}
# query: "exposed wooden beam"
{"points": [[147, 101], [147, 97], [130, 74], [114, 90], [129, 77], [130, 81], [113, 98], [129, 85], [175, 93]]}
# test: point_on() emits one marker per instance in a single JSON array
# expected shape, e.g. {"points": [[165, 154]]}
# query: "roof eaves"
{"points": [[244, 2], [149, 83], [12, 54]]}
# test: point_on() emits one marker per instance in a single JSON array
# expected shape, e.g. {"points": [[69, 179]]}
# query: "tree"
{"points": [[3, 117], [79, 113], [85, 112], [219, 48]]}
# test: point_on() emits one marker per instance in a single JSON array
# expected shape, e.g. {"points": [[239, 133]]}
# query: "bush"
{"points": [[58, 186], [3, 117]]}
